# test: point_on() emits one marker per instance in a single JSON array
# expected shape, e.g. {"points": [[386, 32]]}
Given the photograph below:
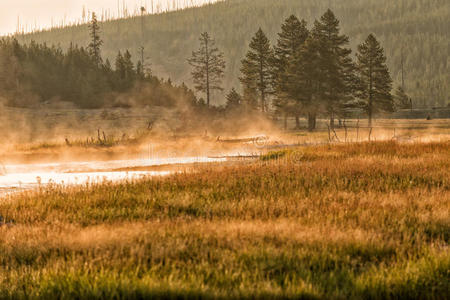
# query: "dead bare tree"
{"points": [[345, 128], [329, 133], [335, 134], [357, 131]]}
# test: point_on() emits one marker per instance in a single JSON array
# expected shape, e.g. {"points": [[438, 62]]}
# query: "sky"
{"points": [[44, 13]]}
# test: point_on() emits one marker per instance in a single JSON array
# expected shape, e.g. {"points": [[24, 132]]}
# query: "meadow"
{"points": [[347, 221]]}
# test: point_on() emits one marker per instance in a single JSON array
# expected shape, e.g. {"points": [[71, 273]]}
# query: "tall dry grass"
{"points": [[366, 220]]}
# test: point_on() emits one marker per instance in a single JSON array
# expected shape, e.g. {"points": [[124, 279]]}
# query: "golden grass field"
{"points": [[356, 220]]}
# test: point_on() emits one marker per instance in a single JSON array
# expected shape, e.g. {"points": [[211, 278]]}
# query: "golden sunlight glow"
{"points": [[29, 15]]}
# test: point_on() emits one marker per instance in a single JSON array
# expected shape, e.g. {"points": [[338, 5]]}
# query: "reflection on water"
{"points": [[28, 176], [95, 166], [20, 181]]}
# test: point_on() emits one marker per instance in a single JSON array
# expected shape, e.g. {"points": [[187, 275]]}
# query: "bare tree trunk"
{"points": [[329, 133], [370, 110], [261, 81], [297, 121], [332, 120], [357, 131], [335, 135], [207, 73], [345, 128], [311, 121]]}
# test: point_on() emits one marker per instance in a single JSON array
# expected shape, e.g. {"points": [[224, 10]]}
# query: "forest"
{"points": [[414, 33], [33, 75]]}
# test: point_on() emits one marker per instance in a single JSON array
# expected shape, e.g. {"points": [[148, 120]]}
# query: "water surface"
{"points": [[16, 177]]}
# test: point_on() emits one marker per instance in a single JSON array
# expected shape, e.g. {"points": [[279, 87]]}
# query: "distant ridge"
{"points": [[106, 15]]}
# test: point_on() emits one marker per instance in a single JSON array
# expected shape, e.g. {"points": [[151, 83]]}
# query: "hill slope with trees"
{"points": [[413, 32]]}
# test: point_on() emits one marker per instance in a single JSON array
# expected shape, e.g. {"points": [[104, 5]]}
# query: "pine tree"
{"points": [[128, 65], [108, 73], [120, 72], [250, 98], [11, 70], [107, 66], [293, 35], [305, 79], [375, 83], [336, 63], [208, 67], [119, 65], [140, 70], [125, 73], [234, 100], [96, 42], [401, 99], [257, 69]]}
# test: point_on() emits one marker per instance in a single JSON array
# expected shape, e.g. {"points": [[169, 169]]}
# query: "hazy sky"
{"points": [[40, 13]]}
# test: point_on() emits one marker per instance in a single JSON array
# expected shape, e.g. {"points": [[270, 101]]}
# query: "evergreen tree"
{"points": [[305, 79], [108, 74], [11, 70], [119, 65], [96, 42], [129, 67], [140, 70], [257, 68], [107, 66], [234, 100], [375, 83], [120, 71], [250, 98], [125, 73], [336, 63], [401, 99], [208, 67], [293, 34]]}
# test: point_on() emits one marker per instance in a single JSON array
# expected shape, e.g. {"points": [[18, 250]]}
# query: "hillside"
{"points": [[420, 26]]}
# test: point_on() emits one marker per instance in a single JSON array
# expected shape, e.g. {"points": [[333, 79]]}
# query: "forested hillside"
{"points": [[420, 27], [36, 74]]}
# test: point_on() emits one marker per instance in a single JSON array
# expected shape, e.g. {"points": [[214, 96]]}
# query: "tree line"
{"points": [[307, 72], [414, 34], [33, 74]]}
